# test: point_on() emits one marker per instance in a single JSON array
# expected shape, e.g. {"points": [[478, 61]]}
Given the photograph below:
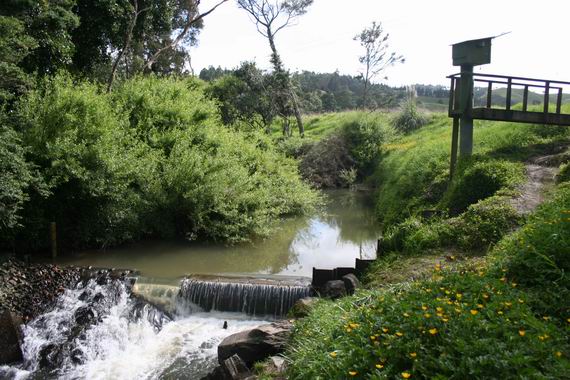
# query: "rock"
{"points": [[84, 316], [334, 289], [351, 283], [276, 365], [256, 344], [235, 368], [302, 307], [10, 338], [217, 374]]}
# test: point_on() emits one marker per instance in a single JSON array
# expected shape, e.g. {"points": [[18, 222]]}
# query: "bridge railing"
{"points": [[545, 86]]}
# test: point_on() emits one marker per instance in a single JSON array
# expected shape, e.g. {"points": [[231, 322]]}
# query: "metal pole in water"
{"points": [[53, 239]]}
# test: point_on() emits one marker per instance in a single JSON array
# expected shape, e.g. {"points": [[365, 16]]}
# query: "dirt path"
{"points": [[541, 173]]}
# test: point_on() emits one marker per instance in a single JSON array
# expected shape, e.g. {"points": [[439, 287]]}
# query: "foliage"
{"points": [[538, 256], [463, 324], [376, 57], [150, 159], [480, 179], [482, 225], [244, 97], [17, 179], [351, 148], [413, 174], [409, 118], [15, 45]]}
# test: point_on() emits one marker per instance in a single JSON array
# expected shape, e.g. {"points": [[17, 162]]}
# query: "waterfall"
{"points": [[101, 330], [250, 297]]}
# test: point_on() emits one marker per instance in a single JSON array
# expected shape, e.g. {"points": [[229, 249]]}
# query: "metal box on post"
{"points": [[473, 52]]}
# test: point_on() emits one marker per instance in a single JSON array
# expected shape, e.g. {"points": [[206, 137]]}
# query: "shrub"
{"points": [[479, 227], [477, 180], [152, 158], [538, 256], [409, 118]]}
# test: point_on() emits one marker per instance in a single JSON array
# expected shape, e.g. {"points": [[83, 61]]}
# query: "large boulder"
{"points": [[10, 338], [351, 283], [334, 289], [256, 344]]}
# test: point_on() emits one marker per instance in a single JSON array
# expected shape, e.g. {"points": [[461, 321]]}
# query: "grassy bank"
{"points": [[503, 315]]}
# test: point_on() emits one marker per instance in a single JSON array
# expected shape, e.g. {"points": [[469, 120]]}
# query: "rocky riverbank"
{"points": [[28, 290]]}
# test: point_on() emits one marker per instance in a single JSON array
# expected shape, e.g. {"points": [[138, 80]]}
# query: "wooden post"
{"points": [[466, 122], [53, 239], [509, 93], [454, 143]]}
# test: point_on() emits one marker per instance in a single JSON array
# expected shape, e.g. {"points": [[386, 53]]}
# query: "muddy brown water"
{"points": [[334, 237]]}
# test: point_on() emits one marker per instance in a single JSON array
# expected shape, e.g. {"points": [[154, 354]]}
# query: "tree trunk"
{"points": [[126, 44], [278, 67]]}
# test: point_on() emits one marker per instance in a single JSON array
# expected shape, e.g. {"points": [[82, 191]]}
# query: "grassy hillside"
{"points": [[505, 315]]}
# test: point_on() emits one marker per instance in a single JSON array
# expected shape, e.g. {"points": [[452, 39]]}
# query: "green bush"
{"points": [[479, 227], [152, 158], [409, 118], [478, 180], [458, 325]]}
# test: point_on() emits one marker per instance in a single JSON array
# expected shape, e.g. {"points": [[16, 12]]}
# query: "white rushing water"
{"points": [[124, 339]]}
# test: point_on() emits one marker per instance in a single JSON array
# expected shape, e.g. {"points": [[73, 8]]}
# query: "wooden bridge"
{"points": [[548, 113]]}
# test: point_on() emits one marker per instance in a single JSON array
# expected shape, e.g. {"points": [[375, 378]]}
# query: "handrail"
{"points": [[492, 79], [506, 76]]}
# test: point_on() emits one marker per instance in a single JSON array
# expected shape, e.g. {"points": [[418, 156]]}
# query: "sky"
{"points": [[421, 30]]}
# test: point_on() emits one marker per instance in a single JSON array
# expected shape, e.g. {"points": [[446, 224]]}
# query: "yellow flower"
{"points": [[433, 331], [568, 320], [445, 320], [547, 318], [333, 354], [427, 315], [522, 332], [480, 306], [439, 309], [508, 304], [352, 373], [385, 329], [348, 329], [541, 337], [379, 366], [406, 375], [437, 267], [353, 325], [458, 296], [457, 310], [558, 354], [500, 312], [474, 312], [413, 354], [406, 315], [449, 303], [486, 296], [521, 301], [399, 334], [372, 337], [424, 308]]}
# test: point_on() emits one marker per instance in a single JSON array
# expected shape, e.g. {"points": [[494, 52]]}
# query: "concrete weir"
{"points": [[250, 295]]}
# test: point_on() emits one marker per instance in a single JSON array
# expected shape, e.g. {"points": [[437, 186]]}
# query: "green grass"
{"points": [[414, 172], [320, 126], [507, 319]]}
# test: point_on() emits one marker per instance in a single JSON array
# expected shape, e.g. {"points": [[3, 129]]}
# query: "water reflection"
{"points": [[345, 230]]}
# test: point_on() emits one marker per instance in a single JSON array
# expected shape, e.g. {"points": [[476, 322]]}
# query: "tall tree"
{"points": [[376, 57], [270, 17]]}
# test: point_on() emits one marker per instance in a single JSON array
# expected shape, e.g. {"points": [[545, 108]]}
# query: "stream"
{"points": [[166, 322]]}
